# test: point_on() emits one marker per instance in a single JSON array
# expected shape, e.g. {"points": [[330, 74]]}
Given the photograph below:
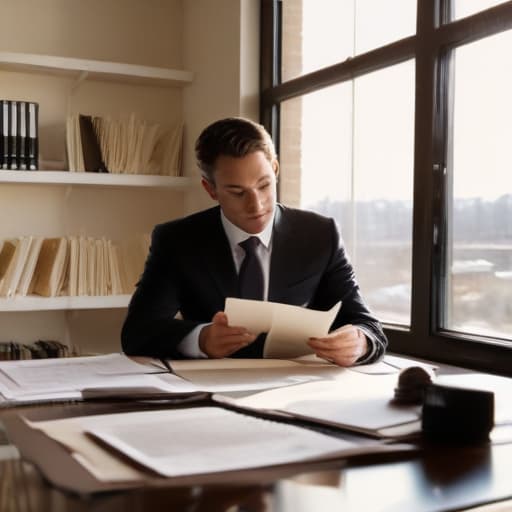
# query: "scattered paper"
{"points": [[404, 362], [222, 375], [65, 378], [392, 364], [352, 400], [176, 442]]}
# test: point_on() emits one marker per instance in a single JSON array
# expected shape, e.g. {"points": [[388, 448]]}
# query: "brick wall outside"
{"points": [[291, 110]]}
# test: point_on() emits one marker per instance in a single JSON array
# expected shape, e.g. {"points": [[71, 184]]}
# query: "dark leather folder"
{"points": [[93, 160]]}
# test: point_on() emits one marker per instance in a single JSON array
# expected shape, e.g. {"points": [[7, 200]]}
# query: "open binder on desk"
{"points": [[354, 402], [63, 443], [109, 376]]}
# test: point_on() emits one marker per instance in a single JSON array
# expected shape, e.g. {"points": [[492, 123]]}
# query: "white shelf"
{"points": [[95, 69], [93, 178], [33, 303]]}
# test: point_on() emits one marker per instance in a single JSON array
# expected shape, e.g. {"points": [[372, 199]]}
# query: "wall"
{"points": [[147, 32], [221, 46]]}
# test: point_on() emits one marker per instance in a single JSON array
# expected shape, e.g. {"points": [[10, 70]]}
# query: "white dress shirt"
{"points": [[189, 345]]}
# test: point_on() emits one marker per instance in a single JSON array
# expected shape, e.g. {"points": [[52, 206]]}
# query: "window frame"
{"points": [[436, 36]]}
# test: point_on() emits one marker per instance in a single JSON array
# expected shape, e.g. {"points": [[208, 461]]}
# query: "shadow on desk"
{"points": [[435, 481], [22, 489]]}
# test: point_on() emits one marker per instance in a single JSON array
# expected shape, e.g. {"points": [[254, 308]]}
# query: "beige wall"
{"points": [[221, 46], [147, 32]]}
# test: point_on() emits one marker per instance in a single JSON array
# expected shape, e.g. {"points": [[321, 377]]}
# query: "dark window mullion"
{"points": [[349, 69], [440, 197], [477, 26], [442, 200], [423, 186]]}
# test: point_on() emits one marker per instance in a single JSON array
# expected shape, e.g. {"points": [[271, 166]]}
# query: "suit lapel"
{"points": [[217, 257], [285, 267]]}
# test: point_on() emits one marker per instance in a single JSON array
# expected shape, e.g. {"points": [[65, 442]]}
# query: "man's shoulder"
{"points": [[304, 217], [195, 221]]}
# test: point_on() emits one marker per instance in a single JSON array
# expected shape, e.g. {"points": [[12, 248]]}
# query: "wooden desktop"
{"points": [[437, 477]]}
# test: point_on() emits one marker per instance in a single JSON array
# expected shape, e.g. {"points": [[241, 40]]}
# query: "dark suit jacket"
{"points": [[190, 269]]}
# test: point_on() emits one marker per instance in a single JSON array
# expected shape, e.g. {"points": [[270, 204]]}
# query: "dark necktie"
{"points": [[250, 277]]}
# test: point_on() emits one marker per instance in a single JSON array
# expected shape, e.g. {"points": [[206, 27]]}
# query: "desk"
{"points": [[438, 478], [438, 481]]}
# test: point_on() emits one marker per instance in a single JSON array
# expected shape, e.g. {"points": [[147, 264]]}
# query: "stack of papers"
{"points": [[42, 380], [224, 375], [176, 442], [353, 401], [117, 376]]}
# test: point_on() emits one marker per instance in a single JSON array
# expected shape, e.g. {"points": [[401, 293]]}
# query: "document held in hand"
{"points": [[288, 327]]}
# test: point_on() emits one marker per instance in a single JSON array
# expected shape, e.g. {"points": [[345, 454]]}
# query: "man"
{"points": [[194, 263]]}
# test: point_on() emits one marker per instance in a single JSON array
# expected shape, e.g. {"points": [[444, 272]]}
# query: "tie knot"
{"points": [[250, 245]]}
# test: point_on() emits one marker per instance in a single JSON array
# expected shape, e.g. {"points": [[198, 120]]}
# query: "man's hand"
{"points": [[220, 340], [344, 346]]}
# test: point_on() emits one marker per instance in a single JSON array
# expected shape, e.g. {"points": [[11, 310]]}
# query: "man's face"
{"points": [[245, 189]]}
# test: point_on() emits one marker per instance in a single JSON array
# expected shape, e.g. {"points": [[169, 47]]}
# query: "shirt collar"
{"points": [[236, 235]]}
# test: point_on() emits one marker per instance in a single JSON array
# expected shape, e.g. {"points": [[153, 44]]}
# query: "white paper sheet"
{"points": [[59, 372], [288, 327], [64, 379], [400, 363], [353, 400], [222, 375], [255, 315], [392, 364], [210, 439]]}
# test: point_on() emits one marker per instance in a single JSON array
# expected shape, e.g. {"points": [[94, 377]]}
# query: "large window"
{"points": [[369, 192], [479, 250], [320, 33], [395, 119]]}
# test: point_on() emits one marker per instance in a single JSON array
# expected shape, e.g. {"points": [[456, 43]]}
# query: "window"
{"points": [[319, 33], [463, 8], [369, 193], [394, 118], [479, 253]]}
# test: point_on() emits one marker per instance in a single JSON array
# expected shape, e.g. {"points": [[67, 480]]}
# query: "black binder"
{"points": [[32, 149], [93, 159], [22, 135], [13, 135], [4, 134]]}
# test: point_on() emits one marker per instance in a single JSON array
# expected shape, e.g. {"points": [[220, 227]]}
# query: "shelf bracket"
{"points": [[78, 81]]}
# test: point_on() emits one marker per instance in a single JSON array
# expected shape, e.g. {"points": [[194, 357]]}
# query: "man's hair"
{"points": [[233, 136]]}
